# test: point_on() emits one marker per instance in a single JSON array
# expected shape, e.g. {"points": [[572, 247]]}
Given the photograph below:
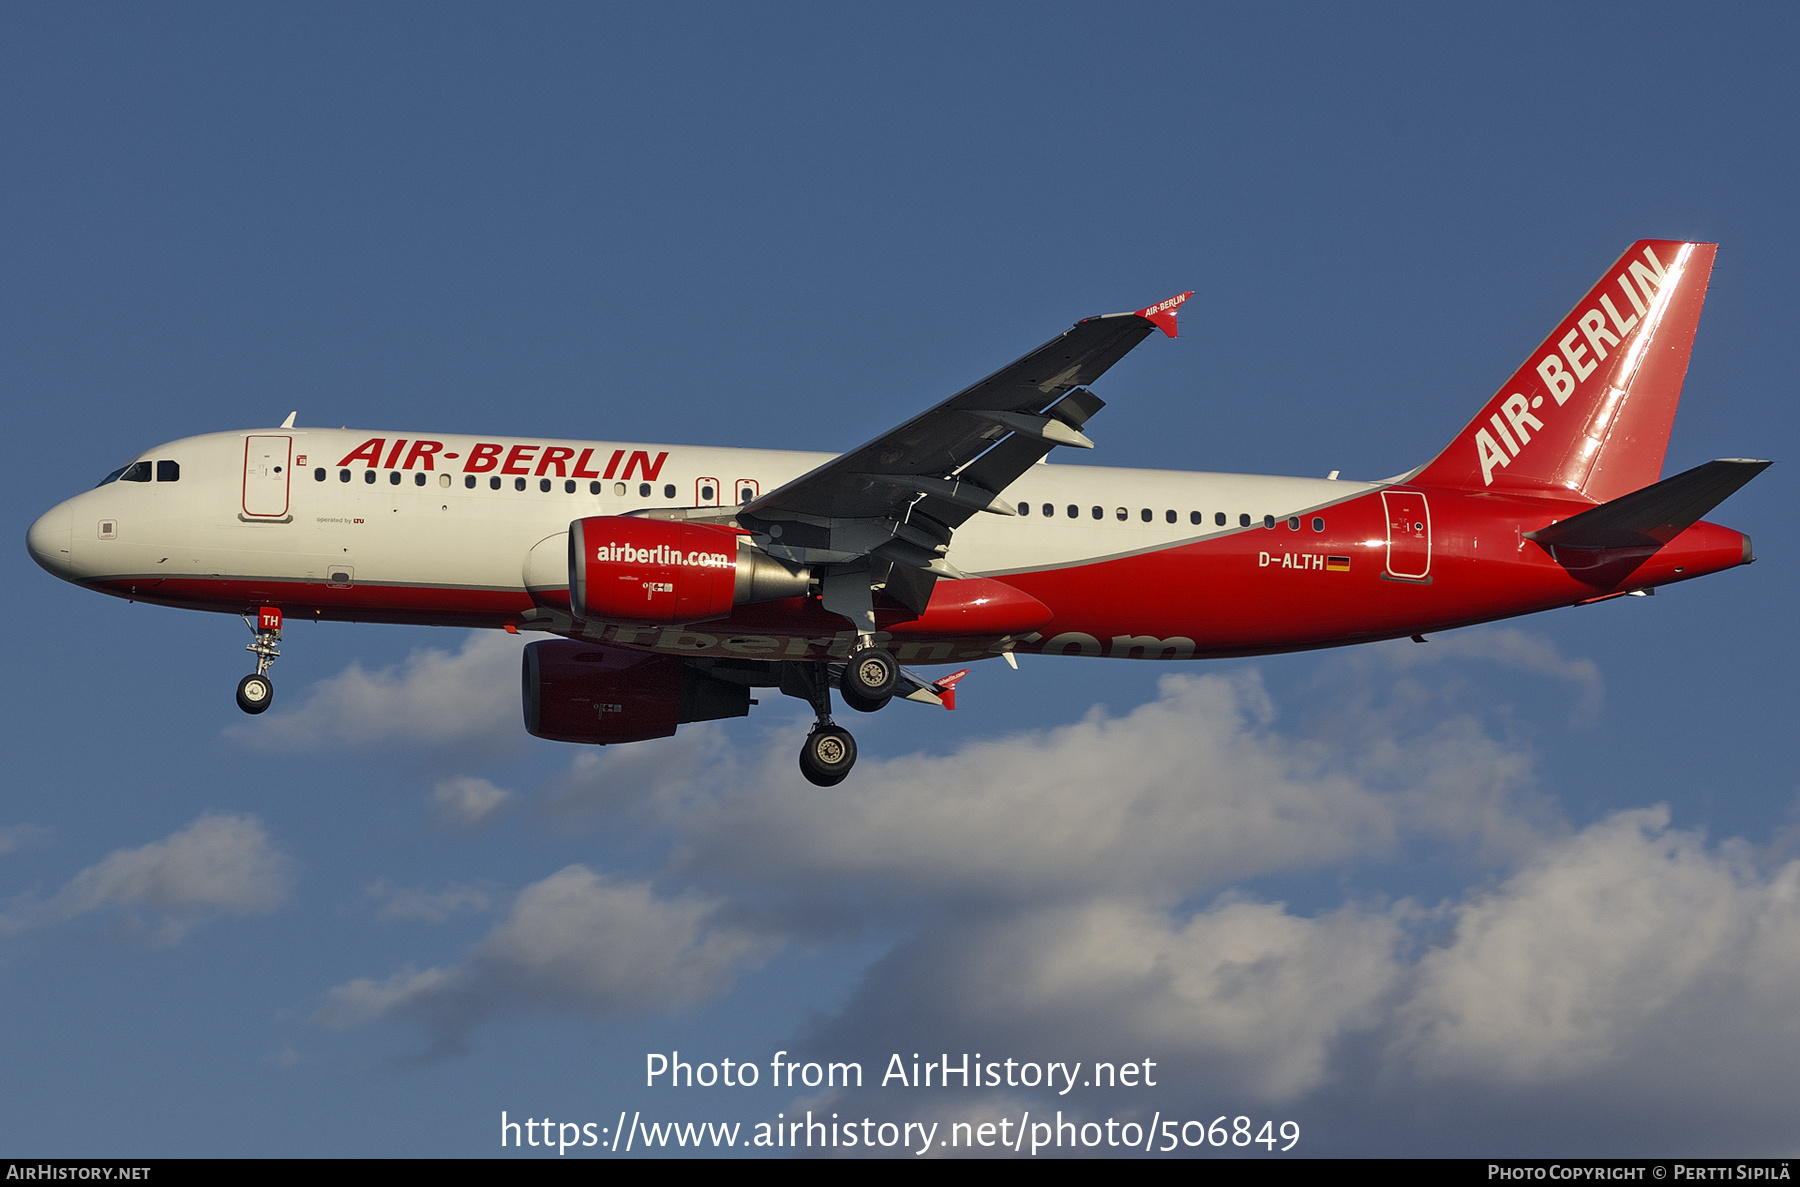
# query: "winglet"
{"points": [[946, 688], [1162, 314]]}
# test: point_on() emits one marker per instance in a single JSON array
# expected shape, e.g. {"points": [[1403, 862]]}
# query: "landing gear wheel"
{"points": [[870, 675], [828, 755], [254, 693], [854, 699]]}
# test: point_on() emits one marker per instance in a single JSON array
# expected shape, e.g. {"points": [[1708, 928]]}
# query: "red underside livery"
{"points": [[668, 582]]}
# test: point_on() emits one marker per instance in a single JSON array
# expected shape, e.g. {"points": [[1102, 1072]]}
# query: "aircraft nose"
{"points": [[48, 540]]}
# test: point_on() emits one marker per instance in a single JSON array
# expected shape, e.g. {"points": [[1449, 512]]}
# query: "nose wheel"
{"points": [[256, 692]]}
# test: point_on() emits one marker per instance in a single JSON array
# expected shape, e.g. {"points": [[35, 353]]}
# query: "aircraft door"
{"points": [[706, 492], [1408, 534], [266, 471]]}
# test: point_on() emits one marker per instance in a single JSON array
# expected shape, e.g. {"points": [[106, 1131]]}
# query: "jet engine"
{"points": [[579, 692], [626, 569]]}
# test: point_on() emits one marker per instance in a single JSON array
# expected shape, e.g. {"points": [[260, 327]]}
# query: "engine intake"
{"points": [[626, 569]]}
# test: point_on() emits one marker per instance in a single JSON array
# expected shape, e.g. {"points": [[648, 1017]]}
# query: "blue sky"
{"points": [[1529, 891]]}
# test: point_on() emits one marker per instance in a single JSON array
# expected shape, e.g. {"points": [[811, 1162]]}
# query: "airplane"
{"points": [[669, 581]]}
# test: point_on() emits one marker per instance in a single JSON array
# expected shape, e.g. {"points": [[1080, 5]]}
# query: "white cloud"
{"points": [[467, 700], [1192, 791], [469, 801], [1509, 647], [218, 865], [1046, 888], [576, 942], [416, 904], [1606, 946], [1256, 994]]}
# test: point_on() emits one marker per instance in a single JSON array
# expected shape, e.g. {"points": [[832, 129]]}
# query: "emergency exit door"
{"points": [[1408, 534], [267, 466]]}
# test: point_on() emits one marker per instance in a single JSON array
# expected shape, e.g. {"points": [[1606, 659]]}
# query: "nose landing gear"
{"points": [[256, 691]]}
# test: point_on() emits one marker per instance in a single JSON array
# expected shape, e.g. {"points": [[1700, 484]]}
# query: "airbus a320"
{"points": [[669, 582]]}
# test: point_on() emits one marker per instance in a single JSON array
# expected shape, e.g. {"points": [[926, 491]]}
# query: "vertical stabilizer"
{"points": [[1590, 411]]}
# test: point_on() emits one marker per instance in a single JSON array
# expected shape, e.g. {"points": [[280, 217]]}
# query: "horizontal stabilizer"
{"points": [[1656, 514]]}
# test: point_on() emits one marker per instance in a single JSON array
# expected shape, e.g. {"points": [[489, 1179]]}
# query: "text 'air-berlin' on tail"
{"points": [[1590, 411], [667, 592]]}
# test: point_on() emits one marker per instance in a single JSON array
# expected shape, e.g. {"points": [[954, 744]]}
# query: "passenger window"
{"points": [[444, 480], [393, 478], [518, 484], [544, 485], [171, 472], [569, 487], [469, 481], [643, 490], [1049, 510], [136, 472], [1122, 514], [369, 477], [593, 488], [1099, 513], [319, 474], [1146, 515], [1074, 511], [1244, 520], [669, 491], [619, 490], [1293, 523], [706, 494], [343, 475], [1219, 519], [1024, 508], [419, 478], [493, 484], [1195, 517], [1269, 522], [1318, 524], [1170, 517]]}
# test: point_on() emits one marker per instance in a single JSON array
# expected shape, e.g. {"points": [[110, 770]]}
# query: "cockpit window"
{"points": [[136, 472], [168, 471], [113, 477]]}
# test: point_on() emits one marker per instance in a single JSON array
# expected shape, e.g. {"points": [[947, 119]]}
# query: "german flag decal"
{"points": [[1337, 564]]}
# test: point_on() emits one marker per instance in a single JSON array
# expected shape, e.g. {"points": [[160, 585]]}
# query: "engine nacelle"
{"points": [[579, 692], [626, 569]]}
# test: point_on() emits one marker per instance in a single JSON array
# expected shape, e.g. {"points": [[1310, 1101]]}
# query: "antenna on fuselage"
{"points": [[289, 422]]}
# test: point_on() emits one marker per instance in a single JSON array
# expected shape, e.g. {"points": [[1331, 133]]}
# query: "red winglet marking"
{"points": [[511, 629], [1162, 314], [946, 688]]}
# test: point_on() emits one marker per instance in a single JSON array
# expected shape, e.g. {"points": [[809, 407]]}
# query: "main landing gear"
{"points": [[256, 691], [869, 678]]}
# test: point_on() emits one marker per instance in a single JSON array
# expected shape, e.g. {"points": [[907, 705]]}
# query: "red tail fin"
{"points": [[1591, 409]]}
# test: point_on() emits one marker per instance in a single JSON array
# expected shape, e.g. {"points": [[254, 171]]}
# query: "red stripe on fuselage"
{"points": [[1252, 591]]}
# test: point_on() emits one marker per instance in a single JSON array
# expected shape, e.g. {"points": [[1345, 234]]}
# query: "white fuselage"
{"points": [[435, 523]]}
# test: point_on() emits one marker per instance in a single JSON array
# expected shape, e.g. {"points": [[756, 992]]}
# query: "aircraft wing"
{"points": [[895, 500]]}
